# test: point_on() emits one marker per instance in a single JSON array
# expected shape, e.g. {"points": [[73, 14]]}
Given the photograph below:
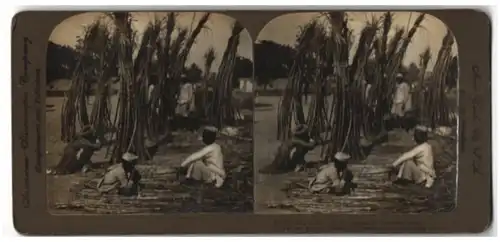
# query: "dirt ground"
{"points": [[162, 193], [286, 193]]}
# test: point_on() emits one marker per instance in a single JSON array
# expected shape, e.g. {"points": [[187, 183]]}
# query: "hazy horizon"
{"points": [[284, 29], [216, 33]]}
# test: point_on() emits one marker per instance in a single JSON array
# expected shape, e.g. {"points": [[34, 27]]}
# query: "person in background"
{"points": [[207, 164], [417, 165], [334, 177], [291, 154], [151, 89], [77, 153], [401, 97], [122, 178], [185, 103]]}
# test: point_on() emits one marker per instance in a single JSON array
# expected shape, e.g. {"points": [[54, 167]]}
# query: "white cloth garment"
{"points": [[400, 99], [211, 155], [423, 157], [402, 93], [185, 102], [150, 91]]}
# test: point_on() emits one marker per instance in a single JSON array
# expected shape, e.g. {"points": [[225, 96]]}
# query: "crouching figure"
{"points": [[334, 177], [122, 177]]}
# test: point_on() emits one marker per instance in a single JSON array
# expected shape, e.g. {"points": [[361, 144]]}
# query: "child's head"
{"points": [[340, 160], [129, 161], [209, 135], [420, 136]]}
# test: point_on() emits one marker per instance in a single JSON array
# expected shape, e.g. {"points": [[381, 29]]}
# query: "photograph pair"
{"points": [[184, 112]]}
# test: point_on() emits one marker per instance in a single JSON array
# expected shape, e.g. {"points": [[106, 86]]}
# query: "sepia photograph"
{"points": [[149, 113], [355, 113]]}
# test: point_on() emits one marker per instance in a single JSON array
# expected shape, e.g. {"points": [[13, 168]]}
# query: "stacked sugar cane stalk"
{"points": [[222, 109], [91, 63], [171, 56], [436, 110], [161, 54], [209, 58], [166, 48], [390, 61], [423, 93], [347, 113], [345, 120], [131, 92], [291, 107], [100, 117]]}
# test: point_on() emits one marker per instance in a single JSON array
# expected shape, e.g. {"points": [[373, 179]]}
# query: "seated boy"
{"points": [[333, 177], [207, 164], [122, 177]]}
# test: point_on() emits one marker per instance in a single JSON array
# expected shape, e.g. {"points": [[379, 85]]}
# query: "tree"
{"points": [[194, 73], [243, 69], [61, 61], [412, 73], [272, 61]]}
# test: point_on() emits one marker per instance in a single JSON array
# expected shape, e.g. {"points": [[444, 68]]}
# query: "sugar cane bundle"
{"points": [[180, 62], [437, 106], [162, 96], [157, 116], [173, 56], [222, 109], [425, 57], [299, 78], [100, 116], [383, 48], [389, 56], [395, 61], [209, 58], [133, 96], [347, 114], [142, 75], [319, 63], [127, 123], [75, 104], [357, 74]]}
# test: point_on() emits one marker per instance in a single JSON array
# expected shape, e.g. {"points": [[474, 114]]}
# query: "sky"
{"points": [[284, 29], [216, 34]]}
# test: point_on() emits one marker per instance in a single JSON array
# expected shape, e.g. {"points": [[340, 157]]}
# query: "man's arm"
{"points": [[123, 179], [406, 156], [427, 170], [196, 156], [86, 143], [337, 183], [303, 143]]}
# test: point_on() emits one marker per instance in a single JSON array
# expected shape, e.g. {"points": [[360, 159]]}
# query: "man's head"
{"points": [[399, 78], [341, 159], [209, 135], [184, 79], [420, 134], [129, 160]]}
